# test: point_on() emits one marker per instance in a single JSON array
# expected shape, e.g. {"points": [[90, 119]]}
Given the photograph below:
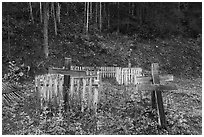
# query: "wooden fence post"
{"points": [[90, 93], [67, 65]]}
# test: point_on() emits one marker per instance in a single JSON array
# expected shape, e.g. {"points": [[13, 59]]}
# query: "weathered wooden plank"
{"points": [[77, 77], [149, 80], [74, 73], [90, 96], [151, 87], [95, 98], [83, 95], [67, 65]]}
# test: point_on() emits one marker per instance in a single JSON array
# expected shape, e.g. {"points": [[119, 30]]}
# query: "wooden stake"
{"points": [[90, 93], [83, 94], [67, 65]]}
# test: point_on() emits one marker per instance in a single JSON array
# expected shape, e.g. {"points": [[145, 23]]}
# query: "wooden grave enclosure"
{"points": [[73, 88], [79, 87]]}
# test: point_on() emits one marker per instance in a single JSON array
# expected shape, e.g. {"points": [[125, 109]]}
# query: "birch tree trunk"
{"points": [[133, 8], [54, 18], [108, 17], [87, 18], [96, 19], [9, 39], [91, 10], [58, 12], [85, 4], [45, 29], [41, 12], [118, 28], [31, 12], [100, 22]]}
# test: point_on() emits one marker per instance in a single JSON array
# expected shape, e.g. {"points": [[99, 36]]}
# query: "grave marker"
{"points": [[153, 84]]}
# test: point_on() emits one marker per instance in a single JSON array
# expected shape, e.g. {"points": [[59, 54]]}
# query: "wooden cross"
{"points": [[153, 84]]}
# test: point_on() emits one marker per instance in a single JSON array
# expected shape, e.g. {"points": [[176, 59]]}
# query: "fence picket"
{"points": [[83, 95], [71, 87], [90, 93]]}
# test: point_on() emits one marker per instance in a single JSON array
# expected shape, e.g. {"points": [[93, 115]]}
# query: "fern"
{"points": [[10, 93]]}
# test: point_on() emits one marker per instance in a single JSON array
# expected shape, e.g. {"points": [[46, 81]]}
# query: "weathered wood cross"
{"points": [[153, 84]]}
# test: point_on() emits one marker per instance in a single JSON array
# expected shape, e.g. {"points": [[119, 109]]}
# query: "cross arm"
{"points": [[148, 80], [151, 87]]}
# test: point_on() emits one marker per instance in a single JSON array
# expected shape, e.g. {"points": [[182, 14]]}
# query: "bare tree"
{"points": [[90, 10], [87, 18], [9, 41], [41, 12], [118, 26], [58, 12], [108, 16], [96, 15], [31, 12], [54, 18], [85, 14], [100, 21], [45, 29], [133, 8]]}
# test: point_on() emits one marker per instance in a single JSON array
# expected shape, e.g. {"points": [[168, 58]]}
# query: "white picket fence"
{"points": [[128, 76], [49, 88], [124, 76], [83, 90]]}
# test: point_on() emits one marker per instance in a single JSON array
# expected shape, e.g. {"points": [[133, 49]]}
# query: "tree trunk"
{"points": [[54, 18], [118, 28], [31, 12], [58, 12], [129, 12], [45, 30], [100, 25], [133, 8], [104, 14], [41, 12], [9, 39], [108, 17], [91, 10], [87, 18], [48, 12], [85, 4], [96, 15]]}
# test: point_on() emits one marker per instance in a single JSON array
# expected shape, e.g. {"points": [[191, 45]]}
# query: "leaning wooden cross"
{"points": [[153, 84]]}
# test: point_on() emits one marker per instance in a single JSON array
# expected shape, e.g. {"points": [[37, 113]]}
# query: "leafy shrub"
{"points": [[16, 72]]}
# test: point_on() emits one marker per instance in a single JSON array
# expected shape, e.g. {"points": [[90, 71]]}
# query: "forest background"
{"points": [[38, 35]]}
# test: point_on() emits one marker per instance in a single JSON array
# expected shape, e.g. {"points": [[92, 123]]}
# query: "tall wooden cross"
{"points": [[153, 84]]}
